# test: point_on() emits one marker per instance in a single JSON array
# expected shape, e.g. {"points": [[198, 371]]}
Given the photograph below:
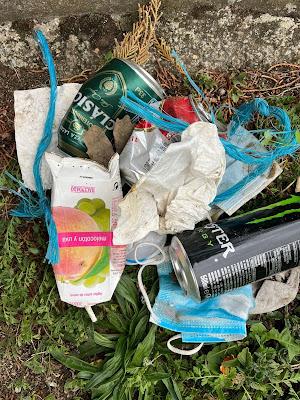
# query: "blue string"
{"points": [[193, 84], [30, 206], [152, 115]]}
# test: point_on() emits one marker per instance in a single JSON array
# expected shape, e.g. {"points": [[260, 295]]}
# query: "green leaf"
{"points": [[105, 340], [258, 328], [235, 97], [259, 386], [245, 358], [216, 356], [73, 362], [107, 388], [35, 366], [157, 376], [110, 367], [126, 308], [295, 377], [50, 397], [144, 348], [119, 323], [297, 134], [142, 313], [90, 348], [173, 389], [108, 56], [268, 136], [34, 250], [121, 391], [85, 375], [127, 289], [286, 340], [139, 331]]}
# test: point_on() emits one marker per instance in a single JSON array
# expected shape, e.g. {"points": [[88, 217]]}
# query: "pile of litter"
{"points": [[178, 167]]}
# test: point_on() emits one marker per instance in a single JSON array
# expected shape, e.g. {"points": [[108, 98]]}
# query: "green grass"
{"points": [[120, 355], [135, 363]]}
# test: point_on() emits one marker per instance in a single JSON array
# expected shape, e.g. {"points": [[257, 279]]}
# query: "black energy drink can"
{"points": [[233, 252], [98, 103]]}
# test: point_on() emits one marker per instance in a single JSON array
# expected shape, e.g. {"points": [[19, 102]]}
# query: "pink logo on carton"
{"points": [[83, 189], [84, 239]]}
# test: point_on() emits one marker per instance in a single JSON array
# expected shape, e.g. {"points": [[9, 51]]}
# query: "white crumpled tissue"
{"points": [[175, 194]]}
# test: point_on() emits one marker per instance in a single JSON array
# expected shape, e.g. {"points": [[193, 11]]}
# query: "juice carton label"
{"points": [[85, 200]]}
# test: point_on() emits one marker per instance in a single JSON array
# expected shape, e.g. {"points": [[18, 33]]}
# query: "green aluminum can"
{"points": [[98, 103]]}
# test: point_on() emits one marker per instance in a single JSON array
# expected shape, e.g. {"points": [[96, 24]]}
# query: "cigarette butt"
{"points": [[91, 313], [297, 190]]}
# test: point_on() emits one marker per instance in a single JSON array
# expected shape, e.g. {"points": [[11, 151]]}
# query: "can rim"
{"points": [[201, 113], [183, 269], [199, 110], [155, 86]]}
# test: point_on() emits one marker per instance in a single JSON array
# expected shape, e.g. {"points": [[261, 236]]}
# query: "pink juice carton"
{"points": [[85, 198]]}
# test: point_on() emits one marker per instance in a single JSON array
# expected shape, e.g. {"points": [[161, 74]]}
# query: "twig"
{"points": [[270, 77], [287, 188], [273, 88], [283, 65], [76, 78], [288, 90], [297, 190]]}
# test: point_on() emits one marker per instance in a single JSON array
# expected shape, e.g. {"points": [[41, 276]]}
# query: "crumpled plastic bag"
{"points": [[276, 292], [175, 194]]}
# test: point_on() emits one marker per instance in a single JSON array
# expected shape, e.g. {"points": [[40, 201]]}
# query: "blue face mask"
{"points": [[219, 319]]}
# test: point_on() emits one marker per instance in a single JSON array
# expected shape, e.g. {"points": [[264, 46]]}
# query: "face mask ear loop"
{"points": [[180, 351], [145, 264], [151, 261], [143, 290]]}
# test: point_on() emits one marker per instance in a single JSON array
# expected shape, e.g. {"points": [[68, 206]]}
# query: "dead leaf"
{"points": [[99, 148], [122, 131]]}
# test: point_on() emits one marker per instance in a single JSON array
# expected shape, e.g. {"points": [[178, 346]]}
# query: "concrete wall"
{"points": [[222, 34], [11, 10]]}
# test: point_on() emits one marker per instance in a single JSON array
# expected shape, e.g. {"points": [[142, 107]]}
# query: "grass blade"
{"points": [[144, 348], [73, 362], [157, 376], [104, 340], [127, 289], [111, 367], [173, 389]]}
